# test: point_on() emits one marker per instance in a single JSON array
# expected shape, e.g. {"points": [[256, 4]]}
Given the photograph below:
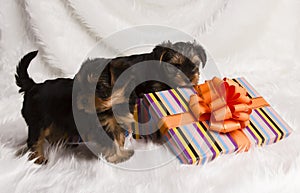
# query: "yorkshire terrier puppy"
{"points": [[48, 110], [185, 59]]}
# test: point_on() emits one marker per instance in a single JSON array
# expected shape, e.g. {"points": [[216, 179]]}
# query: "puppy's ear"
{"points": [[200, 52]]}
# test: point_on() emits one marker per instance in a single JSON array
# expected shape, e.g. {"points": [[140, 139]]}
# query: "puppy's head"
{"points": [[91, 76], [187, 57]]}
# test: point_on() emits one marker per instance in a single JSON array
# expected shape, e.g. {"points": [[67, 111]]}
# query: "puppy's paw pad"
{"points": [[127, 153], [112, 159], [118, 158]]}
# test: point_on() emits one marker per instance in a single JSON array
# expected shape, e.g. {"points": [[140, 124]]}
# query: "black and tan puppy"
{"points": [[48, 111], [185, 57]]}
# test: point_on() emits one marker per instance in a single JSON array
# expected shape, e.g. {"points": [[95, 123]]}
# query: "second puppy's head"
{"points": [[187, 57], [86, 83]]}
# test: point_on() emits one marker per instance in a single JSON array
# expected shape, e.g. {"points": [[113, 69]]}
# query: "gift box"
{"points": [[191, 140]]}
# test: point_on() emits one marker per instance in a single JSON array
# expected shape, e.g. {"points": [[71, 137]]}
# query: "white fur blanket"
{"points": [[256, 39]]}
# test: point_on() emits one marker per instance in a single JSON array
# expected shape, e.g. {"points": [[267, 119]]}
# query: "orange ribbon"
{"points": [[223, 102]]}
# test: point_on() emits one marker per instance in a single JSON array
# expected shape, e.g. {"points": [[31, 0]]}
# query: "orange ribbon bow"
{"points": [[223, 102]]}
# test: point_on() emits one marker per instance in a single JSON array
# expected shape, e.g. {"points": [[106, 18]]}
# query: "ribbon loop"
{"points": [[225, 103]]}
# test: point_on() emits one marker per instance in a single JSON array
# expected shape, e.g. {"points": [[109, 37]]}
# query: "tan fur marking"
{"points": [[111, 123], [195, 79], [112, 77], [162, 56], [116, 98], [38, 150], [121, 140], [91, 78], [120, 155], [177, 59], [89, 107], [196, 59]]}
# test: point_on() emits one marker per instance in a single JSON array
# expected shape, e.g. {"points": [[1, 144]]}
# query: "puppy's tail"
{"points": [[22, 78]]}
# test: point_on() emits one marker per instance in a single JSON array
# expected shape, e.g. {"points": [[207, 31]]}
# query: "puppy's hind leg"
{"points": [[35, 143], [117, 153]]}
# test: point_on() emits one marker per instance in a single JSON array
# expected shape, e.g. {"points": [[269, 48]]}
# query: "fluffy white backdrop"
{"points": [[256, 39]]}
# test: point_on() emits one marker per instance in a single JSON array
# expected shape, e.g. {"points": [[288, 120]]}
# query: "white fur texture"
{"points": [[256, 39], [125, 13]]}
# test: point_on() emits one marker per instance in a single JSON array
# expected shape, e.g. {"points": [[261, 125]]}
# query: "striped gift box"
{"points": [[194, 143], [266, 126]]}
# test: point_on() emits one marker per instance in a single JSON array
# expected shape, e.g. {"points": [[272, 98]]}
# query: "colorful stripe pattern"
{"points": [[193, 143], [143, 125], [266, 126]]}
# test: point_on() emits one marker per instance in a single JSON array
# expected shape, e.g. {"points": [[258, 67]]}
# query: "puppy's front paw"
{"points": [[126, 154], [39, 159], [120, 156]]}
